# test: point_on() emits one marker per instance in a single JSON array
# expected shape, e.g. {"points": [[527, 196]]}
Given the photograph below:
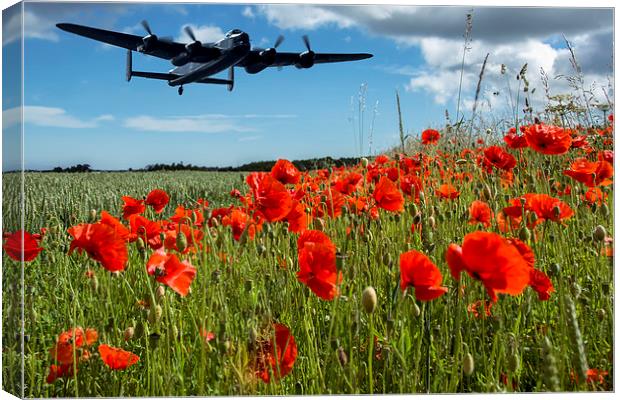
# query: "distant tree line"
{"points": [[259, 166]]}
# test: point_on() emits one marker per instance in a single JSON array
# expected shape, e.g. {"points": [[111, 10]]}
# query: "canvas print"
{"points": [[301, 199]]}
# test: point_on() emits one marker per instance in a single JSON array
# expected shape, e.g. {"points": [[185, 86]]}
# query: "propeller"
{"points": [[190, 32], [307, 42], [150, 39], [268, 56]]}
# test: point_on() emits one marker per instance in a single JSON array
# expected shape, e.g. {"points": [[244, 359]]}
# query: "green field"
{"points": [[242, 287]]}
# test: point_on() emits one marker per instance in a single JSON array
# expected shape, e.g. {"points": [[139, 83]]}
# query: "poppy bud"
{"points": [[154, 340], [129, 333], [417, 218], [154, 314], [413, 209], [468, 364], [364, 161], [93, 215], [160, 293], [342, 357], [181, 242], [601, 314], [416, 309], [387, 259], [556, 211], [554, 269], [422, 198], [514, 362], [605, 210], [486, 191], [532, 218], [431, 222], [140, 245], [253, 336], [599, 233], [369, 299], [525, 234], [461, 161], [139, 329]]}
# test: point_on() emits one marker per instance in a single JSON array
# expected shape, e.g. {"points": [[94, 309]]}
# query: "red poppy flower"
{"points": [[119, 229], [591, 174], [499, 158], [297, 218], [594, 195], [102, 243], [418, 271], [388, 196], [132, 206], [491, 259], [60, 371], [430, 136], [515, 141], [447, 191], [382, 159], [476, 308], [238, 220], [548, 139], [170, 271], [193, 237], [276, 357], [480, 212], [22, 244], [187, 216], [158, 199], [149, 231], [606, 155], [411, 185], [348, 183], [543, 205], [116, 358], [317, 264], [540, 282], [285, 172], [271, 198]]}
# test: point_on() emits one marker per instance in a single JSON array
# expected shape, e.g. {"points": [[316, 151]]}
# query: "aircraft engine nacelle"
{"points": [[148, 42], [306, 60], [181, 59], [268, 56], [255, 68]]}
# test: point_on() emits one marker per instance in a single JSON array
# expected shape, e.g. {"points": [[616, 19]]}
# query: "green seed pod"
{"points": [[554, 269], [514, 362], [181, 241], [387, 259], [431, 223], [599, 233], [154, 314], [605, 210], [364, 162], [579, 354], [549, 365], [413, 209], [369, 299], [468, 364], [601, 314], [154, 340], [525, 234]]}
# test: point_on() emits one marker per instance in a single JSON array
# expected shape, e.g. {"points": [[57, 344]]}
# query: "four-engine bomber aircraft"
{"points": [[196, 62]]}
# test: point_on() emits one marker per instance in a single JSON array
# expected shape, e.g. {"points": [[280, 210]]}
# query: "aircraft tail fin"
{"points": [[231, 78], [128, 70]]}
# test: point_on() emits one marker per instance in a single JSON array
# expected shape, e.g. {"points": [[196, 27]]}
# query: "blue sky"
{"points": [[79, 109]]}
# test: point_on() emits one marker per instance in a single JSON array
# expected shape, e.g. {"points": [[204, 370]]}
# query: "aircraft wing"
{"points": [[162, 49], [285, 59]]}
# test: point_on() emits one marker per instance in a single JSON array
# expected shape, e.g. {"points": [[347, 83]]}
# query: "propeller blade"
{"points": [[146, 27], [306, 42], [278, 42], [190, 32]]}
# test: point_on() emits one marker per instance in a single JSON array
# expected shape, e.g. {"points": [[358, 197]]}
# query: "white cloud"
{"points": [[286, 16], [203, 33], [207, 123], [35, 27], [52, 117], [248, 12]]}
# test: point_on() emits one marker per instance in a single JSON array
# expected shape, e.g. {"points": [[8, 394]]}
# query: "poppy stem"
{"points": [[371, 347], [427, 334]]}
